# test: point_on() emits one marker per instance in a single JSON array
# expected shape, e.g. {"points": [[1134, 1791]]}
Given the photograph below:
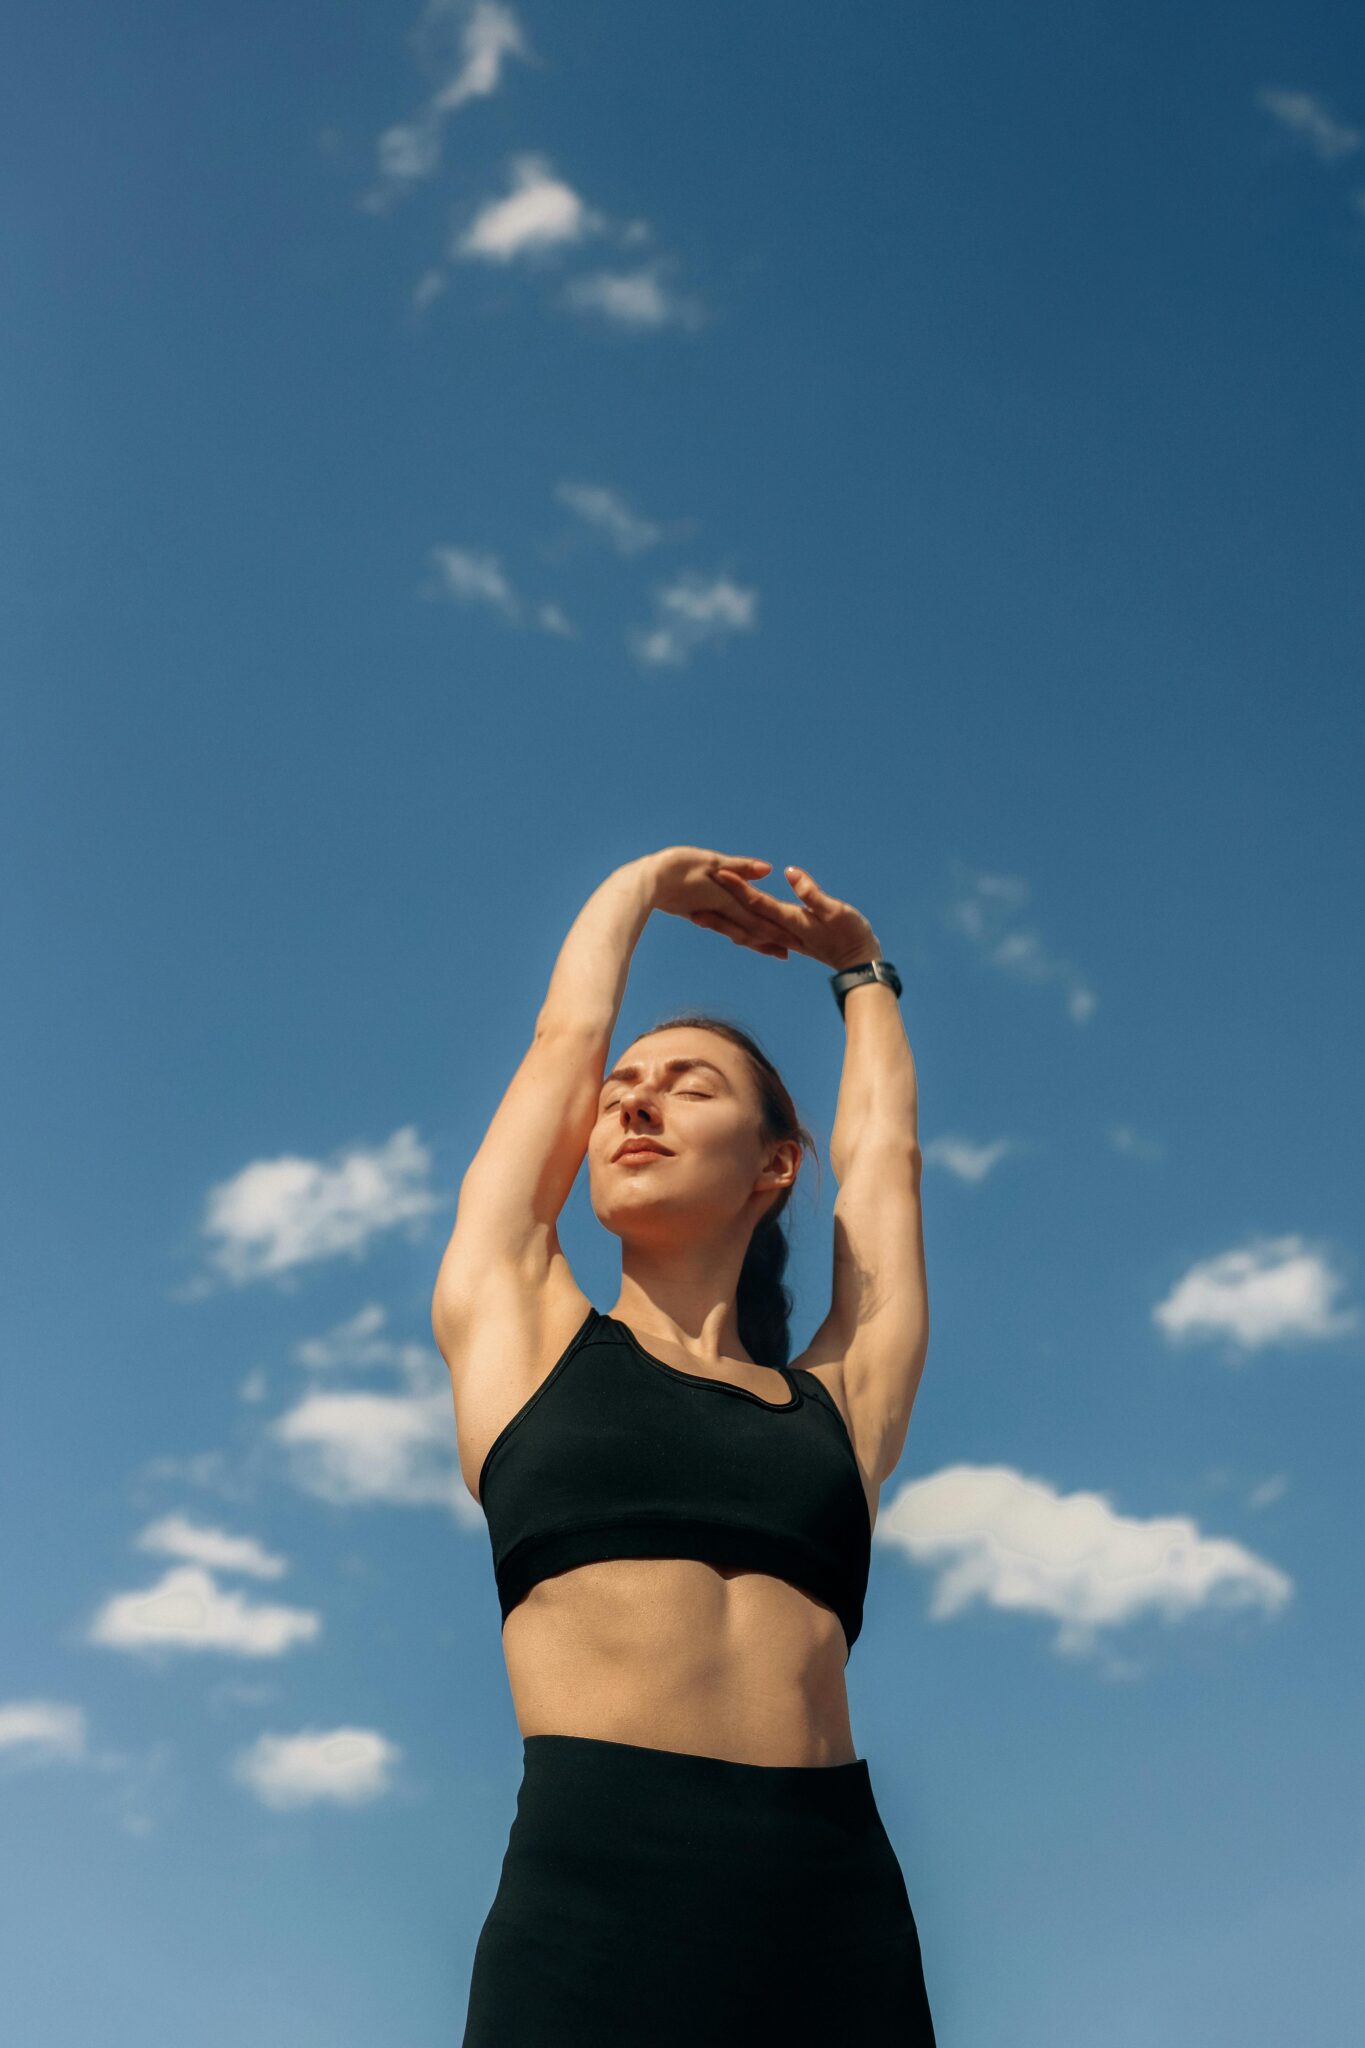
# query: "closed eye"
{"points": [[700, 1094]]}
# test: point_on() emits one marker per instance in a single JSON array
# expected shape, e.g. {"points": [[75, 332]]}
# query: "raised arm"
{"points": [[877, 1328], [519, 1179]]}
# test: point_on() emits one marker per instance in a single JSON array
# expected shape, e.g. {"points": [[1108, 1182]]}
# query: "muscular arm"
{"points": [[589, 979], [878, 1090]]}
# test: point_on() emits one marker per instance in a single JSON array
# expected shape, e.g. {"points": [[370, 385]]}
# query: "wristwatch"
{"points": [[854, 977]]}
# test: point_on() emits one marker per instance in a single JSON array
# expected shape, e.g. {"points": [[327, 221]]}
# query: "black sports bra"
{"points": [[616, 1454]]}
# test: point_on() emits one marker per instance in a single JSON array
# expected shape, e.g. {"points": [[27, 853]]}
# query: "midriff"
{"points": [[667, 1653], [670, 1653]]}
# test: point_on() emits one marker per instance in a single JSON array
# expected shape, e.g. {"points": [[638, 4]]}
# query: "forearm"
{"points": [[878, 1090], [589, 979]]}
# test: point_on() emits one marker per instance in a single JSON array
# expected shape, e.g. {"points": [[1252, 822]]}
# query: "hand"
{"points": [[818, 925], [683, 880]]}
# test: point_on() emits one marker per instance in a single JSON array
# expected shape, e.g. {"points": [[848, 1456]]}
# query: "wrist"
{"points": [[643, 874], [856, 956]]}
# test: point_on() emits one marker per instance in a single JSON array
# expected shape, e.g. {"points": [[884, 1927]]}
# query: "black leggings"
{"points": [[649, 1896]]}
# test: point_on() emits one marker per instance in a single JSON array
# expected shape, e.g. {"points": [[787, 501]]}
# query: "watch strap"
{"points": [[866, 970]]}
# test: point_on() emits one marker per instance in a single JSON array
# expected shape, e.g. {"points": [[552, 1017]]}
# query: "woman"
{"points": [[681, 1522]]}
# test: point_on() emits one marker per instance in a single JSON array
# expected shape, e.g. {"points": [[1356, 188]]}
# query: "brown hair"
{"points": [[763, 1303]]}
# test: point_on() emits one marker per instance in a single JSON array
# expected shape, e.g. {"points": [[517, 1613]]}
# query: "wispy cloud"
{"points": [[636, 300], [1125, 1139], [362, 1341], [176, 1536], [963, 1159], [468, 47], [279, 1214], [357, 1341], [1308, 122], [988, 910], [188, 1610], [476, 576], [606, 512], [40, 1731], [1273, 1291], [211, 1470], [552, 618], [542, 220], [691, 612], [333, 1766], [997, 1537]]}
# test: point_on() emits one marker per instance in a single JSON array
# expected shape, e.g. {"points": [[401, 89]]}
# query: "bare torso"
{"points": [[669, 1653]]}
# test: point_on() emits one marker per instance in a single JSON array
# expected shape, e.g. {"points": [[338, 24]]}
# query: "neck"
{"points": [[689, 1302]]}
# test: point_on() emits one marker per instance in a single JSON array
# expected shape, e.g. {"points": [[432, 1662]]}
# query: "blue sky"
{"points": [[450, 455]]}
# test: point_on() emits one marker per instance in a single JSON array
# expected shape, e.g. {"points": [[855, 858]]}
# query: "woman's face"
{"points": [[690, 1092]]}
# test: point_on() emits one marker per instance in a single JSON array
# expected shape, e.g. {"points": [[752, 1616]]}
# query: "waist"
{"points": [[673, 1654]]}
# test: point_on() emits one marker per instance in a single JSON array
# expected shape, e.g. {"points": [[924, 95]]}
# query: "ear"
{"points": [[784, 1163]]}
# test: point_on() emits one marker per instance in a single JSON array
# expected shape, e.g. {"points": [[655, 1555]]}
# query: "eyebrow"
{"points": [[678, 1065]]}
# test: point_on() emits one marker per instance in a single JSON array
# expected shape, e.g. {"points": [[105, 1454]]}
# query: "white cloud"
{"points": [[552, 618], [981, 907], [543, 216], [360, 1342], [357, 1341], [483, 36], [600, 507], [428, 287], [541, 212], [342, 1766], [472, 577], [279, 1214], [634, 299], [690, 612], [1004, 1539], [967, 1161], [210, 1469], [38, 1732], [1308, 121], [176, 1536], [1273, 1291], [357, 1448], [469, 576], [41, 1732], [187, 1610]]}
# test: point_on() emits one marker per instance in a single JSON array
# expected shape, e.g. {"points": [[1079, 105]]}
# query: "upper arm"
{"points": [[519, 1179], [878, 1322]]}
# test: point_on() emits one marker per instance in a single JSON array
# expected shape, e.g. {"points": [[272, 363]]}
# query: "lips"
{"points": [[641, 1148]]}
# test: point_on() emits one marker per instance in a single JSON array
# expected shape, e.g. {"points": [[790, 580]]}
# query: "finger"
{"points": [[748, 865], [764, 940], [788, 917], [748, 906], [810, 893], [716, 921]]}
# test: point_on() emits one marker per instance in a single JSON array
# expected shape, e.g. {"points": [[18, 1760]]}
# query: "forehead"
{"points": [[673, 1052]]}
